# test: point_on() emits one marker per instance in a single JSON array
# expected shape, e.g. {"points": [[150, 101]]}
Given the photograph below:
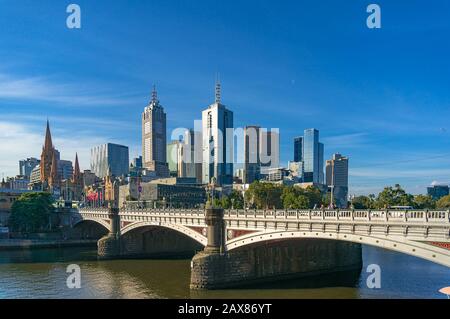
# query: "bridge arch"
{"points": [[399, 244], [99, 221], [178, 228]]}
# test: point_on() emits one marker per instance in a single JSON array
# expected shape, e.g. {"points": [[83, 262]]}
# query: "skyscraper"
{"points": [[217, 131], [321, 163], [27, 166], [312, 157], [252, 163], [173, 149], [111, 157], [298, 149], [188, 166], [269, 148], [337, 171], [154, 137], [337, 179]]}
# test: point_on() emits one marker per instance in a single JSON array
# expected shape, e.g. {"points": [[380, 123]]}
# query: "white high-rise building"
{"points": [[217, 129]]}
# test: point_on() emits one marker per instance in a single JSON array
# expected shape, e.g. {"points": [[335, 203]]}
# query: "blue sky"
{"points": [[380, 97]]}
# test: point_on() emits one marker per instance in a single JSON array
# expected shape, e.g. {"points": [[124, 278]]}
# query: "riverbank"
{"points": [[14, 244]]}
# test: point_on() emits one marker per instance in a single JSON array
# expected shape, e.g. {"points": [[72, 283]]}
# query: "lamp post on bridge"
{"points": [[109, 246], [215, 223]]}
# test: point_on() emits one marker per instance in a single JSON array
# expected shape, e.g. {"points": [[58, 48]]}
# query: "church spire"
{"points": [[76, 171], [48, 145], [54, 178]]}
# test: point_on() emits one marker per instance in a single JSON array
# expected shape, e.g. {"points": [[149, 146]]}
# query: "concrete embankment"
{"points": [[14, 244]]}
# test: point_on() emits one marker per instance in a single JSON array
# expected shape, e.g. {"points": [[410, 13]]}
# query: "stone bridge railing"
{"points": [[420, 216], [415, 224], [376, 216]]}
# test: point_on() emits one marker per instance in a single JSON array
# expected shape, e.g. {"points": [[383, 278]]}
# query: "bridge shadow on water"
{"points": [[343, 284], [348, 278]]}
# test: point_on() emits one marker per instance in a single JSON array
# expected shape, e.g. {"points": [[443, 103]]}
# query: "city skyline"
{"points": [[391, 126]]}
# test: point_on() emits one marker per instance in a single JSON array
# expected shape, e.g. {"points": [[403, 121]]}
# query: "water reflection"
{"points": [[42, 274]]}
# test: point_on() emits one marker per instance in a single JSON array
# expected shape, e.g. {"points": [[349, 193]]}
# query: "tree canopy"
{"points": [[31, 212], [394, 196], [443, 203], [272, 196], [234, 200], [262, 195]]}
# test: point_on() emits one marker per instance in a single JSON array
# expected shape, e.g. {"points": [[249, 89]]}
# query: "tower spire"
{"points": [[154, 95], [218, 89]]}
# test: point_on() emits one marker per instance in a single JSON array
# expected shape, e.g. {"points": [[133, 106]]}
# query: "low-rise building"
{"points": [[89, 178], [19, 182], [26, 166], [175, 192], [35, 179], [274, 174]]}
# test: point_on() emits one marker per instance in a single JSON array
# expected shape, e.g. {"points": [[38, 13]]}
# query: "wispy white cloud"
{"points": [[19, 141], [86, 121], [42, 89]]}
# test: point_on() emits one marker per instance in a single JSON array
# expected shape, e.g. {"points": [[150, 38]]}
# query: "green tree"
{"points": [[236, 200], [267, 196], [363, 202], [296, 202], [424, 202], [264, 195], [394, 196], [294, 198], [314, 196], [443, 203], [31, 212], [225, 202], [217, 203]]}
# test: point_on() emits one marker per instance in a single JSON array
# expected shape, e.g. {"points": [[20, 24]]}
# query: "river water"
{"points": [[41, 273]]}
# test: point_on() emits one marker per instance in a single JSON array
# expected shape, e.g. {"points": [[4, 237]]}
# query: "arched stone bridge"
{"points": [[424, 234]]}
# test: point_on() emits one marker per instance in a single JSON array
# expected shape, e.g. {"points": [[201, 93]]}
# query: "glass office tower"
{"points": [[312, 157], [110, 156], [298, 149]]}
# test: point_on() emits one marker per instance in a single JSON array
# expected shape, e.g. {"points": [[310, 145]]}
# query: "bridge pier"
{"points": [[109, 246], [206, 266]]}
